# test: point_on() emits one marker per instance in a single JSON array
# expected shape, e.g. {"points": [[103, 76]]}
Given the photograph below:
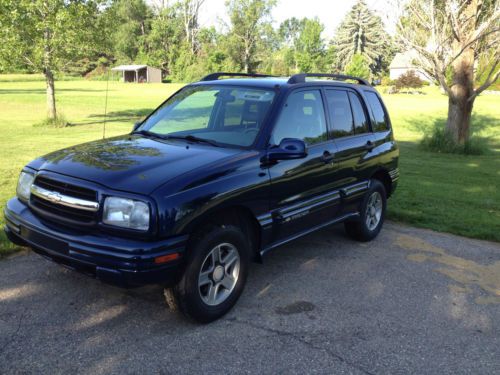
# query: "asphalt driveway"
{"points": [[411, 302]]}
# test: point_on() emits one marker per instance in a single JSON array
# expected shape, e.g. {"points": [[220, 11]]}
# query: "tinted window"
{"points": [[360, 121], [302, 117], [340, 113], [195, 106], [244, 113], [232, 112], [380, 123], [229, 115]]}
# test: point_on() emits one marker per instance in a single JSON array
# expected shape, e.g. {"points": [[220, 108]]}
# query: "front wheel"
{"points": [[215, 275], [372, 214]]}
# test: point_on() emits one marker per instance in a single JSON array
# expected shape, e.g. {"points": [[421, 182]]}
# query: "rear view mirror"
{"points": [[289, 148]]}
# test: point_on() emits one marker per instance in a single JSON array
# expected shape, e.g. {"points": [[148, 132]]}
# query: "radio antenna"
{"points": [[105, 107]]}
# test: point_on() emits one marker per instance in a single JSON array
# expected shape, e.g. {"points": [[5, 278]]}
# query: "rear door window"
{"points": [[380, 122], [340, 113], [360, 120]]}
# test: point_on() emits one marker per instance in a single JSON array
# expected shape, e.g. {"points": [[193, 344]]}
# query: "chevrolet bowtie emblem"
{"points": [[54, 197]]}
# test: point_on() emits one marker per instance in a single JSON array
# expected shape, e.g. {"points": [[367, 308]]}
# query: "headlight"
{"points": [[126, 213], [24, 185]]}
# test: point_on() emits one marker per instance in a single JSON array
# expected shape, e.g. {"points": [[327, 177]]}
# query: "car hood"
{"points": [[132, 163]]}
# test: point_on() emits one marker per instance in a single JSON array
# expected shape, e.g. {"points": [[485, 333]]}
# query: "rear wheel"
{"points": [[215, 275], [372, 214]]}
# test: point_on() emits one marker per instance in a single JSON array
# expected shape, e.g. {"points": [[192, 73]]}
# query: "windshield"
{"points": [[221, 114]]}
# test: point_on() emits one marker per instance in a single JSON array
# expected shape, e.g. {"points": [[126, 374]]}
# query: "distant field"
{"points": [[457, 194]]}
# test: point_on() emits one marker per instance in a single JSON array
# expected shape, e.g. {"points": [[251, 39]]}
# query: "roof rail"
{"points": [[301, 78], [216, 76]]}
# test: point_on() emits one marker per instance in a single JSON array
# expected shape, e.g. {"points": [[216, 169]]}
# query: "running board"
{"points": [[307, 231]]}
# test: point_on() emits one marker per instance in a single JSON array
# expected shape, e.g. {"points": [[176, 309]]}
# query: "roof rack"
{"points": [[301, 78], [216, 76]]}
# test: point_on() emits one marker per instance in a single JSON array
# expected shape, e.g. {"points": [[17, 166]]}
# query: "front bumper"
{"points": [[115, 260]]}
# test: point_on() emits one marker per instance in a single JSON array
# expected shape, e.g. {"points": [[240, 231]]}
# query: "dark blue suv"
{"points": [[222, 172]]}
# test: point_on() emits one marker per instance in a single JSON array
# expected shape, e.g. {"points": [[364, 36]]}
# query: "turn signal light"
{"points": [[167, 258]]}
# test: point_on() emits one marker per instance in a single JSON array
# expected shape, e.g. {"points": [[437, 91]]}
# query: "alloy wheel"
{"points": [[219, 274], [374, 209]]}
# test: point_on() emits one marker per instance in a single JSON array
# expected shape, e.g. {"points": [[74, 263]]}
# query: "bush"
{"points": [[442, 141], [387, 81], [59, 122], [408, 80]]}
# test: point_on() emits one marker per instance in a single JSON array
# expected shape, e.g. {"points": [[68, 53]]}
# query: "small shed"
{"points": [[403, 62], [139, 73]]}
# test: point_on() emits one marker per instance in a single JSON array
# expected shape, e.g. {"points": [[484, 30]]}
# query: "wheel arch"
{"points": [[383, 176], [238, 215]]}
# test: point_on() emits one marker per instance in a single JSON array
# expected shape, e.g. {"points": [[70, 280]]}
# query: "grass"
{"points": [[451, 193]]}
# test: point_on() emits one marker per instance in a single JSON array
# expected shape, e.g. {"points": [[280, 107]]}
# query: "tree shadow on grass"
{"points": [[43, 91], [136, 114], [115, 116]]}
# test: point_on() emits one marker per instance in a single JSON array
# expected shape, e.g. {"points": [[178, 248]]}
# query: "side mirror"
{"points": [[136, 125], [289, 148]]}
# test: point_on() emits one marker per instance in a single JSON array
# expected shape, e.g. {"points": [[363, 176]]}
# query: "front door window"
{"points": [[302, 117]]}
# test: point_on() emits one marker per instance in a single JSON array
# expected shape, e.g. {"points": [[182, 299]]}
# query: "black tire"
{"points": [[358, 229], [187, 292]]}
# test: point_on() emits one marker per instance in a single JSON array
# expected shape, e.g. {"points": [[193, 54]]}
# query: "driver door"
{"points": [[302, 194]]}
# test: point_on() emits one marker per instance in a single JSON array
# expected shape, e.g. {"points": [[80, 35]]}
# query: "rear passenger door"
{"points": [[302, 189], [350, 128]]}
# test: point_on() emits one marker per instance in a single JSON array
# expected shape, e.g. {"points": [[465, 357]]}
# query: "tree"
{"points": [[408, 80], [248, 25], [301, 46], [362, 32], [358, 67], [190, 12], [450, 36], [310, 48], [46, 35], [165, 37], [131, 21]]}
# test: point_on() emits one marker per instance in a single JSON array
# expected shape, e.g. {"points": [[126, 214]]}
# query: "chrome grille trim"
{"points": [[64, 200]]}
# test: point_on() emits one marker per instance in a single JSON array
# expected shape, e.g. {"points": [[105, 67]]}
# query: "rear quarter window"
{"points": [[380, 120]]}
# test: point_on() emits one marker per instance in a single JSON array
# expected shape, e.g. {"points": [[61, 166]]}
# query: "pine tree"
{"points": [[358, 67], [362, 32]]}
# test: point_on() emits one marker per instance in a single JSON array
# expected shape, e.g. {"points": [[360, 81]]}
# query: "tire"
{"points": [[371, 220], [215, 274]]}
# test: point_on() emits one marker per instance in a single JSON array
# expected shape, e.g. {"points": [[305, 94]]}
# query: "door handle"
{"points": [[327, 157], [369, 146]]}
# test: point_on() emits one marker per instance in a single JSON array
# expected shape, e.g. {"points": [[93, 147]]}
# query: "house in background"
{"points": [[403, 62], [139, 73]]}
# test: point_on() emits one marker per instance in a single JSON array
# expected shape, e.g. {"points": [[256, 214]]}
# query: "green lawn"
{"points": [[457, 194]]}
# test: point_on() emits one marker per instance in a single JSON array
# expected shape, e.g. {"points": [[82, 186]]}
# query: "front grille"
{"points": [[57, 212], [65, 188]]}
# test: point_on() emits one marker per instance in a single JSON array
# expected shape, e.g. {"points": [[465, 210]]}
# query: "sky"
{"points": [[330, 12]]}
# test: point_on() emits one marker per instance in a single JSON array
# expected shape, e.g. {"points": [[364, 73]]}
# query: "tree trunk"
{"points": [[51, 95], [459, 118], [461, 96], [246, 62], [459, 102], [49, 76]]}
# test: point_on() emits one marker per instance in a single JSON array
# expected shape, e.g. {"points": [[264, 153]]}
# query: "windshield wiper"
{"points": [[193, 138], [147, 133]]}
